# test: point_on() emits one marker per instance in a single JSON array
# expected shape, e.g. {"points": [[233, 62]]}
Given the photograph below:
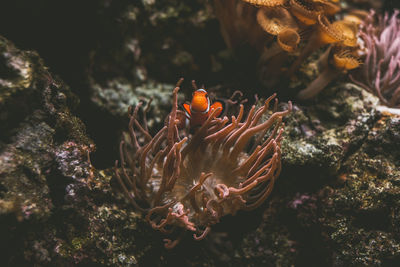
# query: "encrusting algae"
{"points": [[187, 182]]}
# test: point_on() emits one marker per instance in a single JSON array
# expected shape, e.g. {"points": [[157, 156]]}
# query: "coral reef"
{"points": [[380, 72], [190, 182], [336, 202]]}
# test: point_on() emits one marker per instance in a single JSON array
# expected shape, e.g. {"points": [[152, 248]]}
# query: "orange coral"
{"points": [[285, 25], [187, 183]]}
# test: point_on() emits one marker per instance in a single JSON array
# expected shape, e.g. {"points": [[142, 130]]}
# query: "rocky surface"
{"points": [[338, 196], [336, 203], [55, 208]]}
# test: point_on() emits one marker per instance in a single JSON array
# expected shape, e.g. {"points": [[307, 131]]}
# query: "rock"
{"points": [[55, 207], [336, 201]]}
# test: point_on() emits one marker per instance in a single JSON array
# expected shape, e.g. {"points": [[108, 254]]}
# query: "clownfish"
{"points": [[200, 108]]}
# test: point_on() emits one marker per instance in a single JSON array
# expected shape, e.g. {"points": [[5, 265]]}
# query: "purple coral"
{"points": [[380, 73]]}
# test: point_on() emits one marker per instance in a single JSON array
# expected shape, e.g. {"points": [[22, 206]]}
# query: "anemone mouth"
{"points": [[356, 16], [306, 12], [348, 31], [353, 19], [275, 20], [266, 3], [288, 39], [329, 33], [344, 60]]}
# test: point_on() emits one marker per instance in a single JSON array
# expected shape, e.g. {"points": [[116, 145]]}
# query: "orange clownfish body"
{"points": [[200, 108]]}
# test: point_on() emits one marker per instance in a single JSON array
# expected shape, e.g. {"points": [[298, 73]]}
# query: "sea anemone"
{"points": [[340, 32], [335, 61], [380, 73], [187, 182]]}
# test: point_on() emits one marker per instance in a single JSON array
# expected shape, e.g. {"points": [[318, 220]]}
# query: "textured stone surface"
{"points": [[55, 208]]}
